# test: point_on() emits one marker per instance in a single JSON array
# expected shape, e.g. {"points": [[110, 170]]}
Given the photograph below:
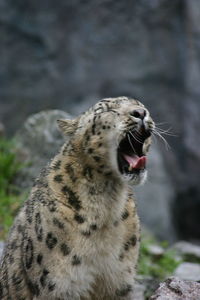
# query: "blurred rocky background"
{"points": [[68, 54]]}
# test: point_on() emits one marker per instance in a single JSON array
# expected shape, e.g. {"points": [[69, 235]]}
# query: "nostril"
{"points": [[139, 113]]}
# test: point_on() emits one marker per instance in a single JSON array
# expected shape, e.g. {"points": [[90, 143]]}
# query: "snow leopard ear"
{"points": [[68, 127]]}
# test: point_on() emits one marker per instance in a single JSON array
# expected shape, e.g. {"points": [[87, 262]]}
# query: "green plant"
{"points": [[9, 206], [156, 266], [10, 196], [9, 166]]}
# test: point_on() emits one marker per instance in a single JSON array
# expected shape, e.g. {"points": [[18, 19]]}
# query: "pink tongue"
{"points": [[135, 161]]}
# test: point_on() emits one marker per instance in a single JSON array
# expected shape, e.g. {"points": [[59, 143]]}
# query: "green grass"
{"points": [[10, 196], [156, 266]]}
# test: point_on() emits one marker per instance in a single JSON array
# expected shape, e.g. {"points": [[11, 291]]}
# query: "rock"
{"points": [[177, 289], [188, 250], [154, 198], [145, 286], [155, 250], [1, 248], [187, 201], [188, 271], [139, 290], [37, 142]]}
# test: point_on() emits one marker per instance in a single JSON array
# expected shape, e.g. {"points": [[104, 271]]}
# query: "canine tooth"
{"points": [[130, 168]]}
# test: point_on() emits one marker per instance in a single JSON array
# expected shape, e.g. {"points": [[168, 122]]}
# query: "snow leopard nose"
{"points": [[139, 113]]}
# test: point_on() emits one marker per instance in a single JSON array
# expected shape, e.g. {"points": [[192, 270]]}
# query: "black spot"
{"points": [[43, 277], [87, 138], [90, 150], [38, 196], [39, 258], [76, 260], [102, 166], [121, 257], [133, 240], [86, 233], [71, 172], [29, 210], [58, 178], [51, 286], [17, 280], [52, 206], [51, 240], [10, 259], [1, 290], [13, 245], [108, 173], [72, 198], [29, 254], [65, 249], [93, 128], [126, 246], [125, 214], [124, 291], [92, 191], [57, 223], [79, 219], [116, 223], [20, 228], [87, 172], [4, 273], [38, 227], [99, 133], [93, 227], [97, 158], [57, 165], [104, 127], [33, 287], [100, 144]]}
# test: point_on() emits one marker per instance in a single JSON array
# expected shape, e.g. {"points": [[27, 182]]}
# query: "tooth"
{"points": [[130, 168]]}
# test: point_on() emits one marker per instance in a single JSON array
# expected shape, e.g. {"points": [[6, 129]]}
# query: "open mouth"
{"points": [[131, 159]]}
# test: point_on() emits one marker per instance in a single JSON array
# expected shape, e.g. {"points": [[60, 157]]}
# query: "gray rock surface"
{"points": [[155, 250], [188, 271], [144, 287], [177, 289], [1, 248], [38, 141], [139, 291], [188, 250]]}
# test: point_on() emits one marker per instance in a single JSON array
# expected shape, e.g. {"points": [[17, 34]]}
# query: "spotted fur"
{"points": [[77, 236]]}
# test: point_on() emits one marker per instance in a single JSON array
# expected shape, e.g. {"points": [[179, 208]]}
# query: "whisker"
{"points": [[136, 138], [155, 132], [166, 132], [131, 143], [161, 123], [139, 136]]}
